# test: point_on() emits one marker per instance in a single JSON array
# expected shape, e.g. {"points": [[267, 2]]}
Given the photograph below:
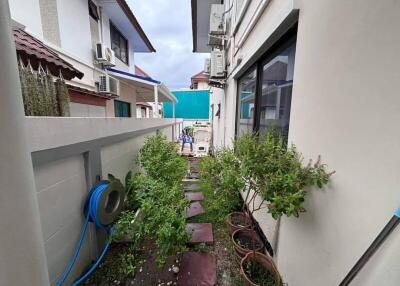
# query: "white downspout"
{"points": [[156, 112], [22, 254]]}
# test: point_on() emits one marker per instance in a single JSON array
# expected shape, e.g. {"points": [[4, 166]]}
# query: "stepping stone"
{"points": [[194, 196], [200, 233], [194, 209], [193, 175], [197, 269], [192, 187]]}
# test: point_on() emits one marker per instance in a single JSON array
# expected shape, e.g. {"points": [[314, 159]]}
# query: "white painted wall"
{"points": [[62, 184], [61, 191], [73, 17], [344, 107], [348, 114]]}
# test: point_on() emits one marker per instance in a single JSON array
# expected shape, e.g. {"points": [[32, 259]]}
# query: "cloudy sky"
{"points": [[168, 25]]}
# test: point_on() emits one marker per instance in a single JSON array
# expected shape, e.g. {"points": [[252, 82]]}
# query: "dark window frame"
{"points": [[124, 102], [280, 45], [115, 31], [93, 10]]}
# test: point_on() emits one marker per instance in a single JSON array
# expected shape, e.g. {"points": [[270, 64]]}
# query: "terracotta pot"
{"points": [[251, 238], [238, 216], [265, 261]]}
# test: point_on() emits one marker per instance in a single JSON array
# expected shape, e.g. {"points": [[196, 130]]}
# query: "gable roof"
{"points": [[201, 76]]}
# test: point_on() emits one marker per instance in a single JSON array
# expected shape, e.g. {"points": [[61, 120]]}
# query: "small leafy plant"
{"points": [[275, 172]]}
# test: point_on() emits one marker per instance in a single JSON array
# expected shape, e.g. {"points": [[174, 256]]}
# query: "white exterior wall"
{"points": [[344, 107], [61, 191], [348, 114], [75, 43], [62, 185]]}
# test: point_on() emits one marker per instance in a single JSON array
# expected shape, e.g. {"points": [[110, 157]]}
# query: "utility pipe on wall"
{"points": [[22, 254]]}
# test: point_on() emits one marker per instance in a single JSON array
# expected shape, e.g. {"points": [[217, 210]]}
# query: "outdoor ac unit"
{"points": [[216, 33], [217, 19], [108, 84], [207, 65], [217, 69], [105, 55]]}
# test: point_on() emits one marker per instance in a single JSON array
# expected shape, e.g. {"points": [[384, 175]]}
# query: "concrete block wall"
{"points": [[67, 155]]}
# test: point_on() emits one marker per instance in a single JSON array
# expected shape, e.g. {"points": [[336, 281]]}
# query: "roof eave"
{"points": [[129, 14]]}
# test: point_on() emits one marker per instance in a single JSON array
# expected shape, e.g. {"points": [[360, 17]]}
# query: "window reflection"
{"points": [[247, 92], [276, 95]]}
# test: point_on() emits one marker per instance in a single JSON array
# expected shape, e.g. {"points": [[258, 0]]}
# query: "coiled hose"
{"points": [[94, 203]]}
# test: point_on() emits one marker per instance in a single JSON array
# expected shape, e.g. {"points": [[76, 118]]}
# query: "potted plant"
{"points": [[238, 220], [259, 269], [245, 241]]}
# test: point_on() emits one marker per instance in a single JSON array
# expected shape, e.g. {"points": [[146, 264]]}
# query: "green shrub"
{"points": [[161, 161], [276, 172], [222, 174]]}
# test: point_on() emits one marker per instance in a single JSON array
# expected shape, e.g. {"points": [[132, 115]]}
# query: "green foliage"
{"points": [[222, 174], [161, 161], [41, 95], [276, 172], [132, 202], [117, 266], [163, 206], [159, 194]]}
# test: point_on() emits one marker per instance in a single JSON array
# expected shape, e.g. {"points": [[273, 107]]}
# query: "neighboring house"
{"points": [[99, 39], [193, 105], [200, 81], [322, 72]]}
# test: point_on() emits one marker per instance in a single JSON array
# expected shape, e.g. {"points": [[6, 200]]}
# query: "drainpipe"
{"points": [[156, 111], [22, 254]]}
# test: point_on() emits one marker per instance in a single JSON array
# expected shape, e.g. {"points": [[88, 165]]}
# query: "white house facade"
{"points": [[74, 29], [323, 73]]}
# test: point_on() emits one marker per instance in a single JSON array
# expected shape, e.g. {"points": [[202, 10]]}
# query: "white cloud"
{"points": [[168, 25]]}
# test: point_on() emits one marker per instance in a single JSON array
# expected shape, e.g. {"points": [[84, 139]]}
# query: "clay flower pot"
{"points": [[245, 241], [238, 220], [265, 263]]}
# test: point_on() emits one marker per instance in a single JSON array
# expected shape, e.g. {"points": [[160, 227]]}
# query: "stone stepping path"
{"points": [[197, 269], [200, 233], [194, 196], [193, 175], [194, 209], [191, 187]]}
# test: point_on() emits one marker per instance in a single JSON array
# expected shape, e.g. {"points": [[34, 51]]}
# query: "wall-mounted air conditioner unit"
{"points": [[108, 84], [216, 33], [217, 19], [217, 69], [207, 66], [105, 55]]}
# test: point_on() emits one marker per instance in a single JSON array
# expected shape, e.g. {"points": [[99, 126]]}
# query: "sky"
{"points": [[168, 25]]}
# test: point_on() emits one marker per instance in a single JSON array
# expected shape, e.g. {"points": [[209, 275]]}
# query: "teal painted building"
{"points": [[192, 104]]}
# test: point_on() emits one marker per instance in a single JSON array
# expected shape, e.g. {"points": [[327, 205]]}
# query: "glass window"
{"points": [[93, 10], [276, 92], [119, 44], [247, 93], [122, 108]]}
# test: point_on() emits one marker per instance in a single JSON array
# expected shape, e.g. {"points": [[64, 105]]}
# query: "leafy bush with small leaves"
{"points": [[275, 171], [222, 173], [163, 206], [161, 161]]}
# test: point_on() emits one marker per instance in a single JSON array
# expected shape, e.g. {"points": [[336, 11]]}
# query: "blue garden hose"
{"points": [[93, 204]]}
